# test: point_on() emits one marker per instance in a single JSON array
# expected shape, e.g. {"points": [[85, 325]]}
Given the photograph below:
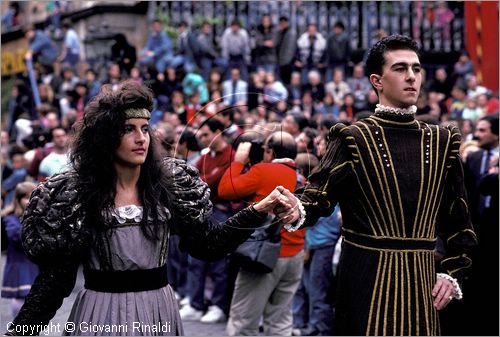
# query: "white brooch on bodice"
{"points": [[129, 212]]}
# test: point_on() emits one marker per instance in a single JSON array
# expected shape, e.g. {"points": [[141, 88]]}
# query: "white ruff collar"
{"points": [[411, 110]]}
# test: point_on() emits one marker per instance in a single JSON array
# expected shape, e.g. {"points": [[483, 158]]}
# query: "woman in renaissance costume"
{"points": [[114, 213]]}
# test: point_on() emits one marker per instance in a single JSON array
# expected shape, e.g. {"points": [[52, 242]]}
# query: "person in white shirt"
{"points": [[57, 161]]}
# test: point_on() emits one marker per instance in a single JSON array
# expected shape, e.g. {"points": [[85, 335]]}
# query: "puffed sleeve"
{"points": [[189, 201], [321, 193], [454, 224], [53, 223]]}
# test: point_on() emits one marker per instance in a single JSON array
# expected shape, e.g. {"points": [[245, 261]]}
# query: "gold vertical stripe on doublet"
{"points": [[398, 193], [374, 200], [394, 292], [427, 177], [402, 292], [416, 293], [422, 166], [387, 295], [374, 194], [408, 284], [433, 191], [384, 185], [369, 206], [434, 151], [374, 295], [439, 194]]}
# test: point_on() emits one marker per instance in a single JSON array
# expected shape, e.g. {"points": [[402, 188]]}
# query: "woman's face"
{"points": [[134, 143], [24, 201]]}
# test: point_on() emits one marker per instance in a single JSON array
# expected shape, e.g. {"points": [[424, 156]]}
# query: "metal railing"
{"points": [[435, 26]]}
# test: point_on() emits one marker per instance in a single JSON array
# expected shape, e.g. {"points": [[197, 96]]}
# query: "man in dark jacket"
{"points": [[285, 49], [338, 50]]}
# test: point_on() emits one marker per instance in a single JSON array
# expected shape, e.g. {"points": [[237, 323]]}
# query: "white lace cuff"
{"points": [[458, 292], [300, 221]]}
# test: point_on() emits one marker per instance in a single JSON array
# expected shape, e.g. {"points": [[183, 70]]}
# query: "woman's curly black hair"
{"points": [[97, 137]]}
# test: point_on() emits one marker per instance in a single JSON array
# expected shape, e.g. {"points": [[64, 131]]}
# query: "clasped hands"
{"points": [[282, 203]]}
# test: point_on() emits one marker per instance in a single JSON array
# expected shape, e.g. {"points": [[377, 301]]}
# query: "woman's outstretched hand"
{"points": [[274, 199]]}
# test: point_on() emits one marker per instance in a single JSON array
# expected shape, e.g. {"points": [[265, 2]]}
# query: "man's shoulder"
{"points": [[475, 156]]}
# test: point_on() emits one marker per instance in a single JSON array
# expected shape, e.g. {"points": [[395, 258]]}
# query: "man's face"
{"points": [[156, 27], [288, 124], [235, 74], [266, 21], [401, 79], [207, 136], [302, 140], [311, 29], [485, 137], [59, 138]]}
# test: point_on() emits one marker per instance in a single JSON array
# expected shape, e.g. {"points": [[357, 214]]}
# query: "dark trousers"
{"points": [[285, 73], [199, 270], [311, 306], [217, 271], [177, 267]]}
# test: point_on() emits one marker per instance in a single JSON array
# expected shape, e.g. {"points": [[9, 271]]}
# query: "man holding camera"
{"points": [[269, 295]]}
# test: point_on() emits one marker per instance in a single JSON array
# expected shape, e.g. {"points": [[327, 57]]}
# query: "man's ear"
{"points": [[375, 80]]}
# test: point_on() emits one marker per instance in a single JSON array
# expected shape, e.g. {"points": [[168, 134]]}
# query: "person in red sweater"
{"points": [[269, 295]]}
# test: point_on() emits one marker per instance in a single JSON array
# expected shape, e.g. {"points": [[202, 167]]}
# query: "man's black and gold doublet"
{"points": [[399, 183]]}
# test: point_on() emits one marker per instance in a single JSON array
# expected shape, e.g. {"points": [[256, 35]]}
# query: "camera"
{"points": [[256, 154]]}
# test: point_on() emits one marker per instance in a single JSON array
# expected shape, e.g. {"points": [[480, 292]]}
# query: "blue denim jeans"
{"points": [[311, 305], [198, 271]]}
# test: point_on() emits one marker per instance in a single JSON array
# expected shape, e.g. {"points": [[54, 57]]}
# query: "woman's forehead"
{"points": [[137, 121]]}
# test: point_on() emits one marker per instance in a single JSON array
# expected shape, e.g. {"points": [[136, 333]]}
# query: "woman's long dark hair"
{"points": [[97, 137]]}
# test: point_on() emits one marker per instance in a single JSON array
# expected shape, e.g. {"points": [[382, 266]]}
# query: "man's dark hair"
{"points": [[183, 24], [214, 124], [236, 22], [327, 123], [283, 19], [376, 56], [311, 134], [50, 133], [301, 121], [493, 120], [66, 23], [256, 150], [281, 146], [339, 24], [190, 139], [229, 112]]}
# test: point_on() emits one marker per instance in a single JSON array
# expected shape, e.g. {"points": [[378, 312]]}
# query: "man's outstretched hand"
{"points": [[289, 212]]}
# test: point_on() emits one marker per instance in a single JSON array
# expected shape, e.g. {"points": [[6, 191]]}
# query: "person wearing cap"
{"points": [[113, 212]]}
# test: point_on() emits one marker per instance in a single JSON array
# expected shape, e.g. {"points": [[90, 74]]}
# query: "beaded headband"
{"points": [[137, 113]]}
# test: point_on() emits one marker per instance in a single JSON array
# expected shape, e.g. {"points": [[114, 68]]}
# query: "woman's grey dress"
{"points": [[150, 313], [58, 237]]}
